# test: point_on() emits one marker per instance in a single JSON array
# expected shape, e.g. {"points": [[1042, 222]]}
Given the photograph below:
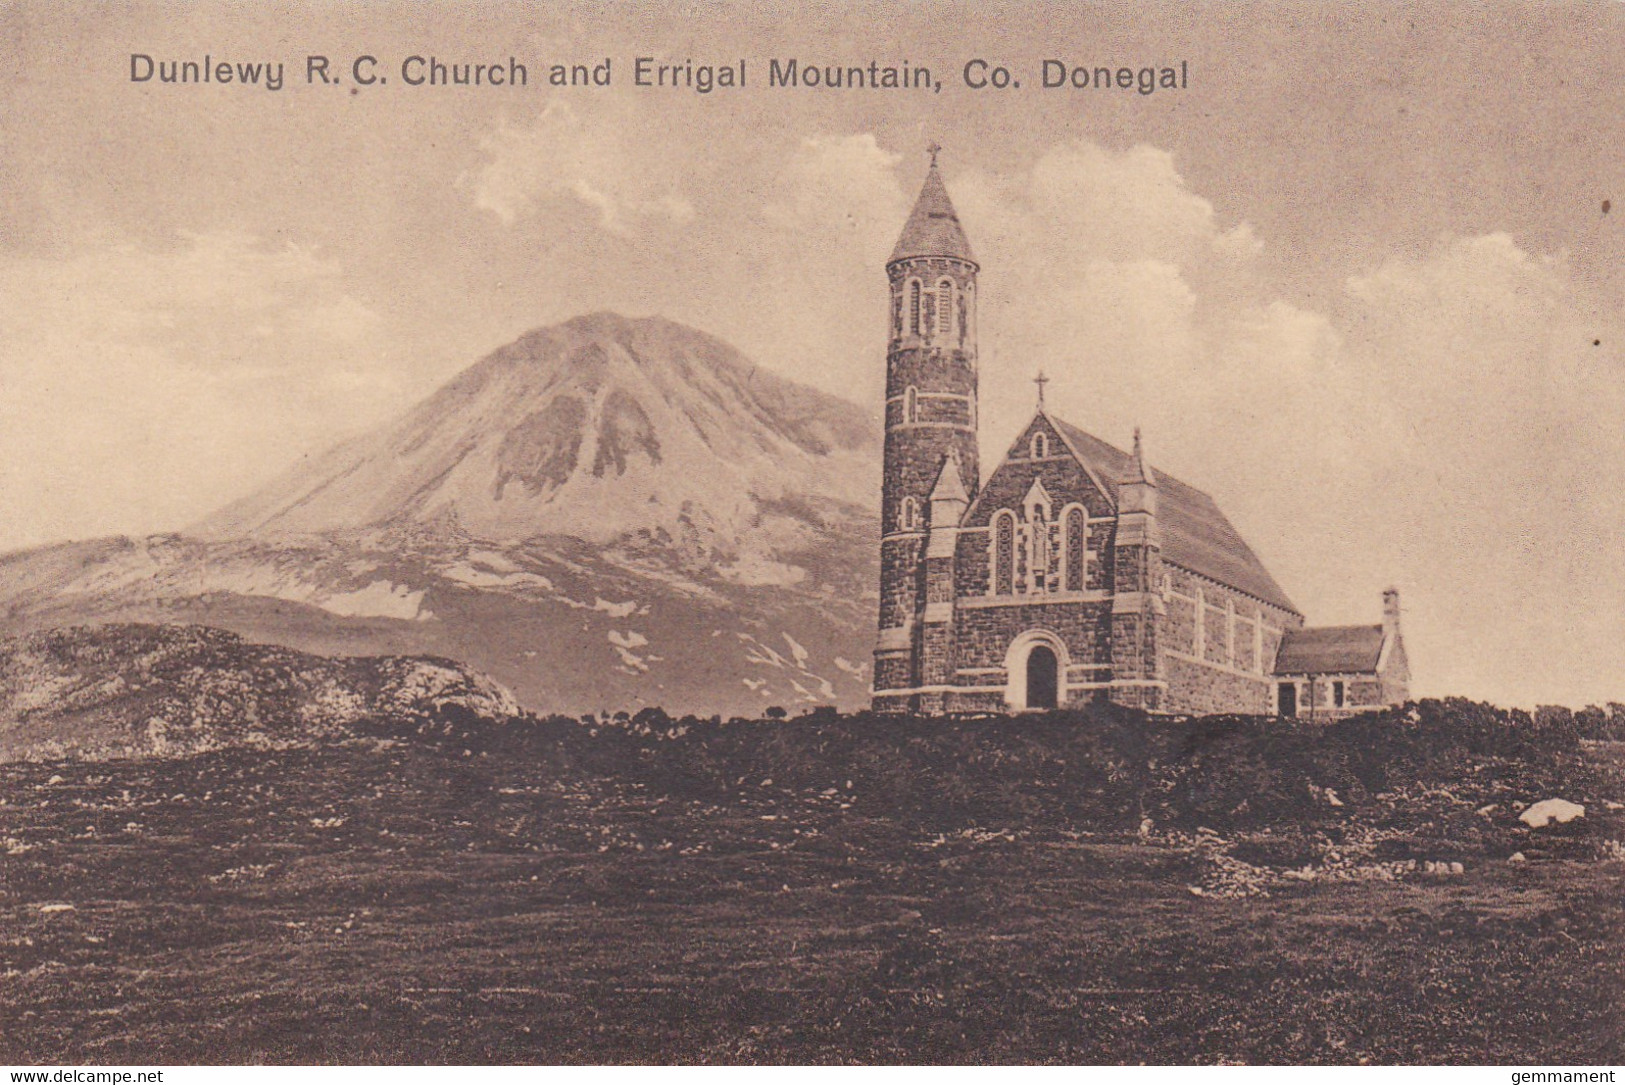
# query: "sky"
{"points": [[1361, 279]]}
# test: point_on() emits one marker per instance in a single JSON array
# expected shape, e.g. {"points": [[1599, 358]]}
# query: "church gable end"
{"points": [[1062, 474]]}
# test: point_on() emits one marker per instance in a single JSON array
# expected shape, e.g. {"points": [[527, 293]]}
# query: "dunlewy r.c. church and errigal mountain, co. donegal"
{"points": [[1076, 571]]}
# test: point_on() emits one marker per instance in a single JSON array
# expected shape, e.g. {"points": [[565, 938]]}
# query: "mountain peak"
{"points": [[599, 427]]}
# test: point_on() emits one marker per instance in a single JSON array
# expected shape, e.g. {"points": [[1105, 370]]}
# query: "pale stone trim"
{"points": [[1223, 668], [968, 529], [1094, 595], [1137, 602], [1120, 683], [1199, 644], [919, 395], [942, 543], [939, 612], [1138, 528], [898, 638], [1069, 666], [1230, 629], [937, 689]]}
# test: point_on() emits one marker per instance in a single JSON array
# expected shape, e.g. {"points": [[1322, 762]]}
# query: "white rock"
{"points": [[1457, 868], [1549, 810], [1517, 857]]}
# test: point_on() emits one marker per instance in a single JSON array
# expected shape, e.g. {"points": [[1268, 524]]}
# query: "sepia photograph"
{"points": [[812, 533]]}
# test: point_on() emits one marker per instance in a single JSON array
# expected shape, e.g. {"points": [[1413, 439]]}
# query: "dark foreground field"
{"points": [[976, 898]]}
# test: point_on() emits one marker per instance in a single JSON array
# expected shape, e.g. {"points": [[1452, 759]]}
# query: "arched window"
{"points": [[1040, 446], [914, 307], [1004, 553], [945, 307], [909, 518], [911, 406], [1077, 547]]}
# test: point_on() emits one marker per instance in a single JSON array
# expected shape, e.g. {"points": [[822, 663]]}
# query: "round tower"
{"points": [[930, 413]]}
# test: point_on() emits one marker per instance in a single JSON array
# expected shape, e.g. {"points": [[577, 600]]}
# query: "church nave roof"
{"points": [[1195, 535]]}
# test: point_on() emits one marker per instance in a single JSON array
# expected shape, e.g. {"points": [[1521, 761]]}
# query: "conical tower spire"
{"points": [[933, 228]]}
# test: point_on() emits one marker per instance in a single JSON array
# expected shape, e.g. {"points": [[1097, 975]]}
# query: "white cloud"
{"points": [[840, 194], [562, 156], [142, 387]]}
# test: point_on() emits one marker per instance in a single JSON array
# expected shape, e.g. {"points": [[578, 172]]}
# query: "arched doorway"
{"points": [[1035, 671], [1043, 677]]}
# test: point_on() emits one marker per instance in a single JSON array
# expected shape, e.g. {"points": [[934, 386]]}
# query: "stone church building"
{"points": [[1074, 571]]}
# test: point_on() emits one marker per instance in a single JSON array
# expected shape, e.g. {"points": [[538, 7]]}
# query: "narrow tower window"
{"points": [[1040, 446], [945, 307], [914, 307], [911, 406], [909, 518]]}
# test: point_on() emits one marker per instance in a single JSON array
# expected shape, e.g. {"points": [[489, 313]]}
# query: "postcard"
{"points": [[799, 533]]}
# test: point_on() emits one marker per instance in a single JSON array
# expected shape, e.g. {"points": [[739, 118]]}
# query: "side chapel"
{"points": [[1076, 571]]}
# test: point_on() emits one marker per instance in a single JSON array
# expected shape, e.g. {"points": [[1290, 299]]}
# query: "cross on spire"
{"points": [[1040, 380], [932, 149]]}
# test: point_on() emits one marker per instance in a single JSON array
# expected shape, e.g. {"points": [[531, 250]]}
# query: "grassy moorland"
{"points": [[1072, 888]]}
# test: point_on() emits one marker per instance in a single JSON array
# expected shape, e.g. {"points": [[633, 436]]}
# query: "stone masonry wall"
{"points": [[1224, 669]]}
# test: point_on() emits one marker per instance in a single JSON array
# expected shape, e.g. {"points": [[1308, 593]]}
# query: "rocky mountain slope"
{"points": [[601, 428], [137, 690], [608, 513]]}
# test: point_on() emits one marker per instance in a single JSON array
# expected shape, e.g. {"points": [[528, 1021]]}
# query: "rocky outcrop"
{"points": [[140, 690]]}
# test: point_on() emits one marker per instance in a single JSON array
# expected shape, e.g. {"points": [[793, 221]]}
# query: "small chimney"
{"points": [[1390, 614]]}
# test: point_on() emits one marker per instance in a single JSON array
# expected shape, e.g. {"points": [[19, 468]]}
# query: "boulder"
{"points": [[1546, 811]]}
